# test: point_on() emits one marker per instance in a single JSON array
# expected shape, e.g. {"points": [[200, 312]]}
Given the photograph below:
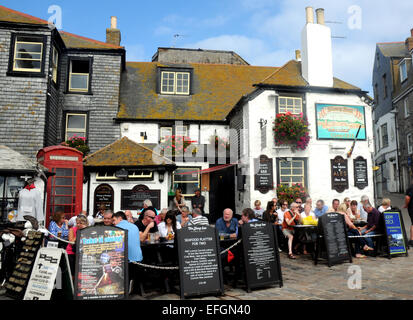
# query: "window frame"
{"points": [[403, 63], [76, 113], [286, 108], [384, 77], [187, 182], [406, 107], [384, 137], [304, 167], [55, 65], [175, 71], [41, 39], [409, 145], [70, 90]]}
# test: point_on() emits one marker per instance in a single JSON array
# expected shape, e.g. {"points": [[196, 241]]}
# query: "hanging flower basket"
{"points": [[219, 142], [289, 194], [79, 143], [175, 145], [291, 130]]}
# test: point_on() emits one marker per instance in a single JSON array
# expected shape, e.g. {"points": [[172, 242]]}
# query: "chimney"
{"points": [[113, 33], [298, 55], [316, 51], [409, 41]]}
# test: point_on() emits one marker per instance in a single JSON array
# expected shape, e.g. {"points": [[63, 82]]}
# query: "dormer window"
{"points": [[175, 82]]}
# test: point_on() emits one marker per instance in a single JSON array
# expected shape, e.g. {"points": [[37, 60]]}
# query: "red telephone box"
{"points": [[65, 188]]}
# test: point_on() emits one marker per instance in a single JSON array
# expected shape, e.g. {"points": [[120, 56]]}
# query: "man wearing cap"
{"points": [[198, 201]]}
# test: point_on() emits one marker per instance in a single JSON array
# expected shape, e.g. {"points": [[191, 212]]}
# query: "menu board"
{"points": [[261, 256], [199, 261], [17, 283], [263, 174], [360, 173], [103, 196], [395, 232], [101, 264], [332, 227], [44, 274], [133, 199], [339, 174]]}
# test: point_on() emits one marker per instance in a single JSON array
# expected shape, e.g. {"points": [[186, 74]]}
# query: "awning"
{"points": [[212, 169]]}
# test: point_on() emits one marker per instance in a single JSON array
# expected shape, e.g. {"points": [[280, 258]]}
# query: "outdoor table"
{"points": [[306, 234]]}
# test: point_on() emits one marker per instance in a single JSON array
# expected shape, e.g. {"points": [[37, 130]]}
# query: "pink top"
{"points": [[69, 246]]}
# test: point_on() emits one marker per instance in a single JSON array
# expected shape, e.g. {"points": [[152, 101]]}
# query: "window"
{"points": [[79, 75], [63, 191], [175, 82], [403, 70], [290, 104], [376, 94], [378, 139], [384, 86], [384, 136], [9, 196], [76, 125], [55, 62], [132, 174], [291, 171], [188, 183], [406, 107], [165, 132], [409, 143], [181, 131], [28, 54]]}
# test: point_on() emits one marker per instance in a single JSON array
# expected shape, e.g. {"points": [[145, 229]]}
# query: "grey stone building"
{"points": [[54, 84]]}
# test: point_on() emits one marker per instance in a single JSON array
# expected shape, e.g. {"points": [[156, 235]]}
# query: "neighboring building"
{"points": [[391, 64], [403, 102]]}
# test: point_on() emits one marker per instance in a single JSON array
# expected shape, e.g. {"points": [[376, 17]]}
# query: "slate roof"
{"points": [[290, 75], [216, 89], [126, 153], [393, 49], [11, 160], [70, 40]]}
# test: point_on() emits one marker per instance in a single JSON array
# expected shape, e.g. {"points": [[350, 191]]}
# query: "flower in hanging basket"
{"points": [[79, 143], [289, 194], [219, 142], [175, 145], [292, 130]]}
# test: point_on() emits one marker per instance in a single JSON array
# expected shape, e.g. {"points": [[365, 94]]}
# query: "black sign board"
{"points": [[333, 228], [339, 174], [103, 196], [199, 261], [263, 174], [133, 199], [261, 255], [101, 263], [16, 284], [360, 173], [395, 233]]}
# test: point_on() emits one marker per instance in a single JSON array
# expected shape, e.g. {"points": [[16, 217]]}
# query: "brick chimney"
{"points": [[113, 33], [409, 41]]}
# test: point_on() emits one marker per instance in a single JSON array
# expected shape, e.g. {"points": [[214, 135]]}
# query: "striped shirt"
{"points": [[199, 221]]}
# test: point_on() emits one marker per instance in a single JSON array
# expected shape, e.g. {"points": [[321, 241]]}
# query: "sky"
{"points": [[263, 32]]}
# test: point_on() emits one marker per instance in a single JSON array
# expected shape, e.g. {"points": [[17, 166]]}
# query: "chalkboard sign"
{"points": [[103, 196], [360, 173], [199, 261], [263, 174], [333, 228], [133, 199], [45, 272], [16, 284], [395, 233], [339, 174], [101, 264], [261, 255]]}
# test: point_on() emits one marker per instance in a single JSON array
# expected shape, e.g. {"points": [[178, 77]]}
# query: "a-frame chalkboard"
{"points": [[395, 233]]}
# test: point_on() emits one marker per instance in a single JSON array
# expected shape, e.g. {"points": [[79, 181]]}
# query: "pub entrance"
{"points": [[221, 192]]}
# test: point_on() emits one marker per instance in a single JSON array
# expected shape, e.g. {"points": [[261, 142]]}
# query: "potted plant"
{"points": [[79, 143], [291, 130], [289, 194]]}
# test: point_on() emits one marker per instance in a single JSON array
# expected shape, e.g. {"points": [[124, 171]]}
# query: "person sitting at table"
{"points": [[320, 208], [352, 230], [309, 201], [198, 201], [363, 201], [300, 207], [373, 221], [147, 225], [227, 225], [101, 211], [347, 201], [198, 219], [72, 220], [81, 223], [129, 216], [258, 211], [184, 217], [179, 201], [270, 214], [353, 212], [134, 245], [334, 206], [59, 227], [147, 205], [275, 200], [308, 212], [291, 218], [108, 218], [247, 216], [385, 205], [167, 228], [161, 216]]}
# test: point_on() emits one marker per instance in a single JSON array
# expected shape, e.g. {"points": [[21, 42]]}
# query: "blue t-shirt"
{"points": [[134, 243], [221, 226], [318, 213]]}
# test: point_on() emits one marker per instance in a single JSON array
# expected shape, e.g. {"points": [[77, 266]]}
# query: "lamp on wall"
{"points": [[161, 174], [262, 122]]}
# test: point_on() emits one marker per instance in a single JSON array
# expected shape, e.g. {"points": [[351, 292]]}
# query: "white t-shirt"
{"points": [[311, 213], [381, 209], [163, 230], [72, 221]]}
